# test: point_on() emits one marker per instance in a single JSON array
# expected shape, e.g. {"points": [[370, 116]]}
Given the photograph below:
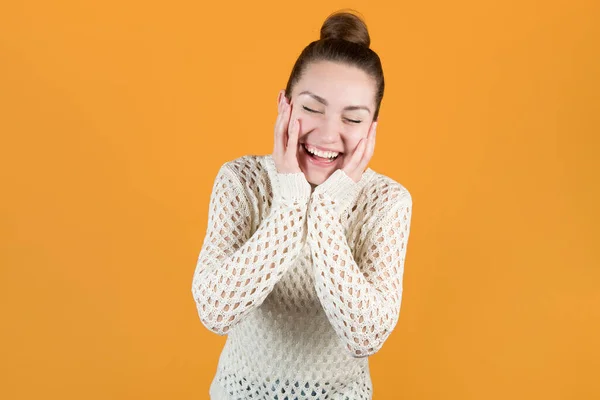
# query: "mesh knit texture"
{"points": [[306, 283]]}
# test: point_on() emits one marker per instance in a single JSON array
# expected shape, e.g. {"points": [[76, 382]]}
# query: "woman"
{"points": [[303, 258]]}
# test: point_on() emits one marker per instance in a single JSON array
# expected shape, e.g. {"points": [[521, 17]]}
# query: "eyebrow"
{"points": [[326, 103]]}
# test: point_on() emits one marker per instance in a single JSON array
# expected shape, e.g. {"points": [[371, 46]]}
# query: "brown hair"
{"points": [[344, 39]]}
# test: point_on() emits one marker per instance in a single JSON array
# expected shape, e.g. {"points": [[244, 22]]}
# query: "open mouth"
{"points": [[320, 159]]}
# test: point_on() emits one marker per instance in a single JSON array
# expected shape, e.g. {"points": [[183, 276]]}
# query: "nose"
{"points": [[329, 130]]}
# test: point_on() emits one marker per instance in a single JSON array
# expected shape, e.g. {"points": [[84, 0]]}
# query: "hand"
{"points": [[355, 165], [285, 149]]}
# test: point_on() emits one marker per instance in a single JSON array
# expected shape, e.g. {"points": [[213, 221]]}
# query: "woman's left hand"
{"points": [[355, 165]]}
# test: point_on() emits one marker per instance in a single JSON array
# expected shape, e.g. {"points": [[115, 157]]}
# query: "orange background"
{"points": [[116, 117]]}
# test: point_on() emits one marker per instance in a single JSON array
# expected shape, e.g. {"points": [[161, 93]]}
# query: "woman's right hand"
{"points": [[285, 149]]}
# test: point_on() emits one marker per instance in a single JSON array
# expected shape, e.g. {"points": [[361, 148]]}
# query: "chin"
{"points": [[316, 179], [315, 182]]}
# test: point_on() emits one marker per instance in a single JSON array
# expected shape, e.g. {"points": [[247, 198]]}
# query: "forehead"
{"points": [[338, 83]]}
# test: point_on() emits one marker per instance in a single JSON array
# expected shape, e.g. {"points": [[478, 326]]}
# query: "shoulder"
{"points": [[246, 167], [243, 164], [381, 196], [382, 191], [251, 173]]}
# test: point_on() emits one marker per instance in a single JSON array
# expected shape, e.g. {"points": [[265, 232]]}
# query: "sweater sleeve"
{"points": [[236, 270], [361, 297]]}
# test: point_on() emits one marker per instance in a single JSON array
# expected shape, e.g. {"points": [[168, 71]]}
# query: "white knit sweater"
{"points": [[305, 282]]}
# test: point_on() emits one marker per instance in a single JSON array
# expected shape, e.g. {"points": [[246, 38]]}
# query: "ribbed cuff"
{"points": [[287, 187], [340, 188]]}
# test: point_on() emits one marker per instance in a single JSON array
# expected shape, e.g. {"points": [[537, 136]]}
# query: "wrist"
{"points": [[340, 188], [287, 186]]}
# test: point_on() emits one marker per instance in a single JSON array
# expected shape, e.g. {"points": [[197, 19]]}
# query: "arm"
{"points": [[360, 297], [236, 271]]}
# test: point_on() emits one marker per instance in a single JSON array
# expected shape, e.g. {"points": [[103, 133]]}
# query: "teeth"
{"points": [[322, 154]]}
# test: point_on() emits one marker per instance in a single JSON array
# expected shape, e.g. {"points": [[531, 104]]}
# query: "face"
{"points": [[335, 104]]}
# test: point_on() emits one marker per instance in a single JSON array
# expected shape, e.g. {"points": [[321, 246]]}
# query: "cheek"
{"points": [[353, 138], [307, 123]]}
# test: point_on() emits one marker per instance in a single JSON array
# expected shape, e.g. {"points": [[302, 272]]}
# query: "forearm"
{"points": [[227, 287], [235, 270], [359, 313]]}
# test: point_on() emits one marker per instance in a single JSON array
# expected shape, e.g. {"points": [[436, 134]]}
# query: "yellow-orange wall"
{"points": [[115, 118]]}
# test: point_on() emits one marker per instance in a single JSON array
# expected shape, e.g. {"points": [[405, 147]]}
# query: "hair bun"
{"points": [[346, 26]]}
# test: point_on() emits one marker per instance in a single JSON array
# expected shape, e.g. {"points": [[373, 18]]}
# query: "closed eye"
{"points": [[354, 121], [309, 110]]}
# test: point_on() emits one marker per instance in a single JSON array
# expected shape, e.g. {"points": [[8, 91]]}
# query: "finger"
{"points": [[362, 154], [287, 114], [370, 147], [278, 132], [292, 143], [356, 156], [374, 138], [280, 100], [280, 137]]}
